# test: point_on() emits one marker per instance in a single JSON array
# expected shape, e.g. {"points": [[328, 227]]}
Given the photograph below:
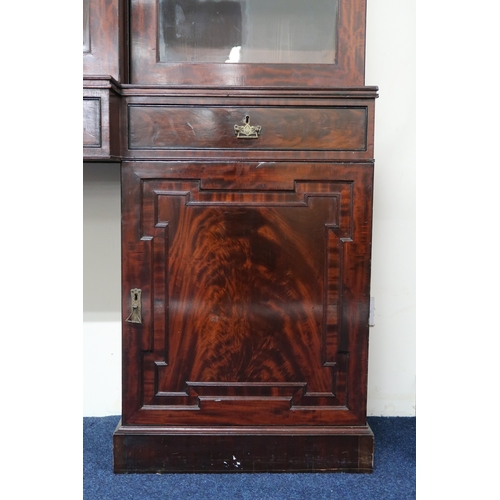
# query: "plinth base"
{"points": [[242, 449]]}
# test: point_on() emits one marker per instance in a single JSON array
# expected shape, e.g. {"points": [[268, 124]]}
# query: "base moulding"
{"points": [[150, 449]]}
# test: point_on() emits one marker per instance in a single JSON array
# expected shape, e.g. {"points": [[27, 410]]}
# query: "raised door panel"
{"points": [[254, 293]]}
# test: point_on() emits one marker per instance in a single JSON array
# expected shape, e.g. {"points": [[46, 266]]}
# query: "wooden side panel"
{"points": [[96, 124], [101, 124]]}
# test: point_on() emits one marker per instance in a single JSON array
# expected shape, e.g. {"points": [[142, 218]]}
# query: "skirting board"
{"points": [[242, 449]]}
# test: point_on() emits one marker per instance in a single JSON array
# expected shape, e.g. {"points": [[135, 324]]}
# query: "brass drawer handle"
{"points": [[247, 131], [135, 314]]}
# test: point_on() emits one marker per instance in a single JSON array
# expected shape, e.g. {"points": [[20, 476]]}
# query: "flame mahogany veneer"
{"points": [[252, 255]]}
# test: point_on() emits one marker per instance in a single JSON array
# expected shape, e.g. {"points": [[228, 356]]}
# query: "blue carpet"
{"points": [[393, 476]]}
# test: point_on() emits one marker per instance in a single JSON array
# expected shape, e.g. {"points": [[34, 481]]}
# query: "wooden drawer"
{"points": [[167, 127]]}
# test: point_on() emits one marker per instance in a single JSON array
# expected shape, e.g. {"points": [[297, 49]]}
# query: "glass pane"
{"points": [[86, 27], [248, 31]]}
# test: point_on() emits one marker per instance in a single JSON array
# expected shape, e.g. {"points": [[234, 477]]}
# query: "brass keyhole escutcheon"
{"points": [[247, 131], [135, 315]]}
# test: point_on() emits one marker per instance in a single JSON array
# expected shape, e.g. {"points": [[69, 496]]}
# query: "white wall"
{"points": [[390, 64], [101, 290]]}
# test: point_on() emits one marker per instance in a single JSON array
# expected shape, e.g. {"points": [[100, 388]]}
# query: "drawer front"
{"points": [[167, 127]]}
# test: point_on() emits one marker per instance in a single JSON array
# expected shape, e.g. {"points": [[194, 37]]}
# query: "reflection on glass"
{"points": [[248, 31], [86, 26]]}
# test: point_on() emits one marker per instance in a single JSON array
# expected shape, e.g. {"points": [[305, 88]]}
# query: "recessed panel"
{"points": [[92, 122], [247, 300]]}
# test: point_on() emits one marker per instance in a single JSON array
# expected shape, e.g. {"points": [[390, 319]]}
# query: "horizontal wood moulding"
{"points": [[101, 82], [368, 92], [160, 90]]}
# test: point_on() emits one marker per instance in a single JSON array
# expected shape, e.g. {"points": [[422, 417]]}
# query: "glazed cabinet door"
{"points": [[104, 39], [248, 43], [245, 293]]}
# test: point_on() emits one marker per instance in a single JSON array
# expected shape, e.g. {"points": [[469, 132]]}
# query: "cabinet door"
{"points": [[253, 289], [104, 39], [248, 43]]}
